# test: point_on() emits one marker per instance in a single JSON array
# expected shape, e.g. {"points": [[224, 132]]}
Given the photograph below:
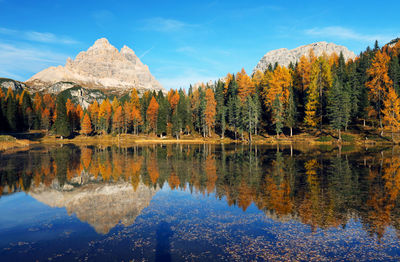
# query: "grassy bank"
{"points": [[324, 137], [8, 142], [358, 137]]}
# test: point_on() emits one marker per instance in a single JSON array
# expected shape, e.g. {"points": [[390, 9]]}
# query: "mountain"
{"points": [[285, 56], [102, 205], [5, 83], [102, 66]]}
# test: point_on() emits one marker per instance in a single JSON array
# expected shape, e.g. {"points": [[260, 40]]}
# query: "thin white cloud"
{"points": [[42, 37], [165, 25], [49, 38], [146, 52], [25, 59], [347, 34]]}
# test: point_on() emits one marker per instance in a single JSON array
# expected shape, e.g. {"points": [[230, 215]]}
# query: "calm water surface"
{"points": [[199, 202]]}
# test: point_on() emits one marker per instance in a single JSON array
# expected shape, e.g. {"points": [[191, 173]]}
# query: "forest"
{"points": [[316, 93]]}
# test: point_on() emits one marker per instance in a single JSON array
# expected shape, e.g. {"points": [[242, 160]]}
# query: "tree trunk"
{"points": [[364, 122], [340, 135], [291, 131]]}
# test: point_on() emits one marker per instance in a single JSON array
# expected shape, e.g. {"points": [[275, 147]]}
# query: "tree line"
{"points": [[314, 93]]}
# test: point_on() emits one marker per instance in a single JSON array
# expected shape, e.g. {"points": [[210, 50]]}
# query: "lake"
{"points": [[181, 202]]}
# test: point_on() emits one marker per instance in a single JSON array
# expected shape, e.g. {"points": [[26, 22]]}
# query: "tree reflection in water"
{"points": [[322, 188]]}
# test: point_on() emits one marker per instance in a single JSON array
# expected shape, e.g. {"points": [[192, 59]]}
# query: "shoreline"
{"points": [[8, 142]]}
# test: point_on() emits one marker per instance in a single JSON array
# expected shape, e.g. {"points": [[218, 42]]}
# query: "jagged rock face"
{"points": [[284, 56], [15, 85], [102, 205], [101, 66]]}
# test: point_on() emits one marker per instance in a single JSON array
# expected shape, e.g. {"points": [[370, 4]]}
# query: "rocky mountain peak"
{"points": [[102, 66], [101, 43], [284, 56]]}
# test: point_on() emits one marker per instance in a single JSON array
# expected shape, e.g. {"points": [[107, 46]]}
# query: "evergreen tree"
{"points": [[394, 73], [221, 109], [12, 113], [277, 111], [338, 107], [176, 124], [291, 112], [162, 114], [62, 125], [233, 113]]}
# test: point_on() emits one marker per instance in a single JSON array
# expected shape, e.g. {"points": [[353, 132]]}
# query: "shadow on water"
{"points": [[163, 247]]}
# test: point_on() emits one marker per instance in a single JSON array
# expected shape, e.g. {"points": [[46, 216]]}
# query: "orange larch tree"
{"points": [[86, 128], [118, 120], [210, 110], [173, 99], [152, 113], [380, 81], [104, 116], [93, 110], [391, 111], [279, 84], [245, 84]]}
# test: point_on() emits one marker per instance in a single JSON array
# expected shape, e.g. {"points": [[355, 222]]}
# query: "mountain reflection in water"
{"points": [[322, 188]]}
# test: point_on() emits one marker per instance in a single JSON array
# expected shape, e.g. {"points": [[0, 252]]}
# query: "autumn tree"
{"points": [[391, 111], [93, 110], [152, 113], [86, 128], [320, 82], [173, 99], [104, 116], [210, 111], [118, 120], [278, 85], [245, 84], [379, 81]]}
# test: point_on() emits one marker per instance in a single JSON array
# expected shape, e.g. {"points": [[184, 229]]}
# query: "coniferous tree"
{"points": [[62, 125], [338, 107], [176, 124], [221, 109], [291, 112], [11, 112], [162, 114], [394, 73], [278, 111]]}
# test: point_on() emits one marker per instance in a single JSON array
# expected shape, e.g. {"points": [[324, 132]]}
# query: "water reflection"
{"points": [[104, 186]]}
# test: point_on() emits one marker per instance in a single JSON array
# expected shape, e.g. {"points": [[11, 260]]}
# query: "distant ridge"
{"points": [[285, 56]]}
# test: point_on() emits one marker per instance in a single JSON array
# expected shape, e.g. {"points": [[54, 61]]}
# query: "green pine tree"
{"points": [[162, 114], [12, 113], [394, 73], [291, 112], [278, 115], [62, 125], [338, 107]]}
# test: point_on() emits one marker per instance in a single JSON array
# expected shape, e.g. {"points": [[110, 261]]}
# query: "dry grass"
{"points": [[9, 142]]}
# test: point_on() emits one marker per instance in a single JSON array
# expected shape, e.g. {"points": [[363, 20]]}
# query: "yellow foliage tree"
{"points": [[86, 127], [210, 110], [391, 111], [380, 81], [279, 83], [246, 85], [152, 113]]}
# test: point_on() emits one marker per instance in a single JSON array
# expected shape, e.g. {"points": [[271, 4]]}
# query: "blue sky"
{"points": [[184, 42]]}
